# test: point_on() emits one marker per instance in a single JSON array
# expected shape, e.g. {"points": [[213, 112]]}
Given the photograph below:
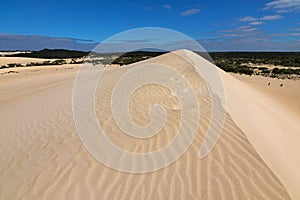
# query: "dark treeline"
{"points": [[290, 59], [52, 54], [136, 56]]}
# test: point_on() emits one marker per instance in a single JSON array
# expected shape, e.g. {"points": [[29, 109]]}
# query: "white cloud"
{"points": [[287, 34], [247, 19], [240, 30], [256, 23], [166, 6], [283, 5], [282, 11], [190, 12], [248, 38], [271, 17]]}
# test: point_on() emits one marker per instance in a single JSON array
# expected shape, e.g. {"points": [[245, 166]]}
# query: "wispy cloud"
{"points": [[248, 38], [259, 21], [167, 6], [251, 37], [271, 17], [241, 30], [190, 12], [247, 19], [295, 29], [295, 33], [249, 44], [287, 34], [256, 23], [242, 34], [283, 6]]}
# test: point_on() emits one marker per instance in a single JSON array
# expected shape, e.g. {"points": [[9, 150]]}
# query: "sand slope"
{"points": [[288, 95], [21, 60], [42, 157], [270, 126]]}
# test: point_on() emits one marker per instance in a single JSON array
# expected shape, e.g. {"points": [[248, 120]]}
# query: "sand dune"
{"points": [[287, 95], [21, 60], [42, 156]]}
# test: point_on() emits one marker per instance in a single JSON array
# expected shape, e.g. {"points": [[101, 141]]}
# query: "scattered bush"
{"points": [[12, 72], [288, 71], [14, 65]]}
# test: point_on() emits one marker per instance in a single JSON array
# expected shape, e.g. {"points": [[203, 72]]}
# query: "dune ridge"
{"points": [[42, 156]]}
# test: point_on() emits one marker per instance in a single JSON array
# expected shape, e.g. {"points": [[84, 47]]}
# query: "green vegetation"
{"points": [[238, 62], [235, 68], [285, 71], [288, 59], [55, 62], [136, 56], [14, 65], [48, 62]]}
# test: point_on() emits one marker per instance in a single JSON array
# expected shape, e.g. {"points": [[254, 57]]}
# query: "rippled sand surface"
{"points": [[42, 156]]}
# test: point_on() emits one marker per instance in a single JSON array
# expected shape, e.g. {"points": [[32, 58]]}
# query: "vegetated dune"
{"points": [[42, 156]]}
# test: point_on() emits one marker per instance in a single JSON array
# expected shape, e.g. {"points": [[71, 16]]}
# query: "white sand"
{"points": [[42, 156], [4, 53], [21, 60]]}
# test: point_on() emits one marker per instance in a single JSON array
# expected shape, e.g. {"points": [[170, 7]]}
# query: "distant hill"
{"points": [[52, 53]]}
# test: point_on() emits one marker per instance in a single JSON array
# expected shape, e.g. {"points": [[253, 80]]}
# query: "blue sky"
{"points": [[232, 25]]}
